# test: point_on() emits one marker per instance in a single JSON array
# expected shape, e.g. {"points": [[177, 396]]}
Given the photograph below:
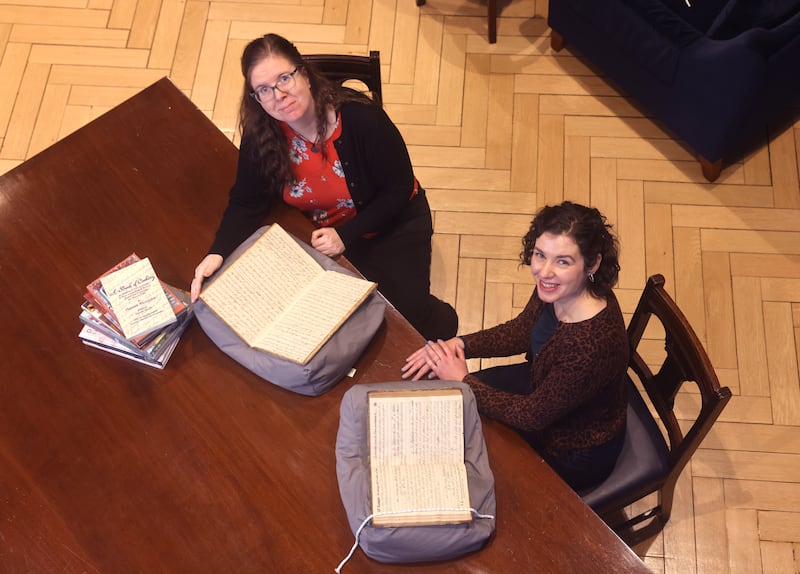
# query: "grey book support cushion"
{"points": [[411, 543], [328, 366]]}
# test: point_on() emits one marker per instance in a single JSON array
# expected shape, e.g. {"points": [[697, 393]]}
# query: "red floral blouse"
{"points": [[318, 187]]}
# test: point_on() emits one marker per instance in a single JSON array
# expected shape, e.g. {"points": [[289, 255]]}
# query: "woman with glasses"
{"points": [[568, 399], [336, 156]]}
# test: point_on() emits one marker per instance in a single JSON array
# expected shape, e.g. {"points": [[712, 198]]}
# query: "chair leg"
{"points": [[420, 2], [654, 519], [556, 41], [632, 536], [492, 21], [665, 498], [711, 169]]}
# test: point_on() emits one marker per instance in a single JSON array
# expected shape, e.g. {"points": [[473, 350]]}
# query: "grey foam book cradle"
{"points": [[411, 543], [332, 361]]}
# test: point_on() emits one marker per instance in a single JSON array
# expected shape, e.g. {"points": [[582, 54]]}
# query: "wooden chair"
{"points": [[648, 463], [491, 17], [341, 68]]}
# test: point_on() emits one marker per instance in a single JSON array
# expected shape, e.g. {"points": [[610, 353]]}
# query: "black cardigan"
{"points": [[377, 170]]}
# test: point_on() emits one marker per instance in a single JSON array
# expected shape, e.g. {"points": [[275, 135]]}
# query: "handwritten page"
{"points": [[138, 299], [417, 466], [277, 298], [314, 316]]}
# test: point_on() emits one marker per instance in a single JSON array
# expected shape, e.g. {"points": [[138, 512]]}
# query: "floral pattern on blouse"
{"points": [[298, 150], [319, 217], [318, 186], [299, 188]]}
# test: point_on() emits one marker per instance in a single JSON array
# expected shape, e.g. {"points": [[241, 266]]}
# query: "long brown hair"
{"points": [[271, 149]]}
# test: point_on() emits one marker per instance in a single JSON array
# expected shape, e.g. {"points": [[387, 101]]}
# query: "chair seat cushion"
{"points": [[740, 16], [648, 32], [642, 463], [699, 15], [673, 16]]}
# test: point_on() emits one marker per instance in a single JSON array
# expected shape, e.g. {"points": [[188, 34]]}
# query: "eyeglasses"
{"points": [[264, 94]]}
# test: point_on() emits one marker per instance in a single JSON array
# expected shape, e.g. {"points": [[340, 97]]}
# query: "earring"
{"points": [[591, 277]]}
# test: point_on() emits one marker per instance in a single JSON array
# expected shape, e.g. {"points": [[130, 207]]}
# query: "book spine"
{"points": [[87, 319]]}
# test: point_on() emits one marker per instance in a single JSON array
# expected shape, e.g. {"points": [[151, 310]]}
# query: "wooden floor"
{"points": [[494, 132]]}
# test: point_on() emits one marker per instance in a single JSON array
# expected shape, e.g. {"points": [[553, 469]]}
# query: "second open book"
{"points": [[277, 298], [416, 449]]}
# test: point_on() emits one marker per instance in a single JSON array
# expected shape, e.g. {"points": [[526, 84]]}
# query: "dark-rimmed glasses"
{"points": [[264, 94]]}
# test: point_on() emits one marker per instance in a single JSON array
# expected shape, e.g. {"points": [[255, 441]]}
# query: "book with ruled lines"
{"points": [[417, 472], [278, 299]]}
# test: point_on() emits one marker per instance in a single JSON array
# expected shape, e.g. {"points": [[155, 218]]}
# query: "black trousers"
{"points": [[399, 261]]}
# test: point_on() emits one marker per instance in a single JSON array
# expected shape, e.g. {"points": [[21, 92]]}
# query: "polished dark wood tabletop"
{"points": [[114, 467]]}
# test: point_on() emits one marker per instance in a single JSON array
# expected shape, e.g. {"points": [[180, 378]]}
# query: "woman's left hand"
{"points": [[442, 359], [327, 241]]}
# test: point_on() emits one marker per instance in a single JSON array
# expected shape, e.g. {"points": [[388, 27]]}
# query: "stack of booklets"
{"points": [[129, 312]]}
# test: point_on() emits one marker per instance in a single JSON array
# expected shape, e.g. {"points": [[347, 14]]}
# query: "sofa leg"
{"points": [[556, 41], [711, 169], [492, 20]]}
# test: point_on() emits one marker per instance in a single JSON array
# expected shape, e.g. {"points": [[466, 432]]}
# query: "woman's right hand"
{"points": [[207, 267]]}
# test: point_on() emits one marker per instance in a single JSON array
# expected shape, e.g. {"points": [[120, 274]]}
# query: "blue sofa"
{"points": [[715, 73]]}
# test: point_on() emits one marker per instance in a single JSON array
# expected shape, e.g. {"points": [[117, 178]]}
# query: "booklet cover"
{"points": [[138, 300]]}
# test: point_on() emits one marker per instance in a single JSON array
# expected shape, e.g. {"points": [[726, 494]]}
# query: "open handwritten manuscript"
{"points": [[277, 298], [417, 470]]}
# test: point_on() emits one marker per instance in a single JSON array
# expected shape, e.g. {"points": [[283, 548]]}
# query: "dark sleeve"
{"points": [[373, 154], [561, 392], [249, 202], [510, 338], [582, 368]]}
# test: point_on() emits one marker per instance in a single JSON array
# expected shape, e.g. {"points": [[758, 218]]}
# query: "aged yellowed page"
{"points": [[253, 291], [277, 298], [314, 316], [417, 457]]}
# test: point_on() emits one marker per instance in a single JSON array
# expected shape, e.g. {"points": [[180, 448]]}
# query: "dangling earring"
{"points": [[591, 277]]}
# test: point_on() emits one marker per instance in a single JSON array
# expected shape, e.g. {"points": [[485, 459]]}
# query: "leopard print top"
{"points": [[579, 398]]}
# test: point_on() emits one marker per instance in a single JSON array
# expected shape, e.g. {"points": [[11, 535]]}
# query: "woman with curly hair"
{"points": [[568, 399], [337, 157]]}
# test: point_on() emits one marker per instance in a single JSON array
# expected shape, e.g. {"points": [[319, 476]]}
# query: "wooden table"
{"points": [[110, 466]]}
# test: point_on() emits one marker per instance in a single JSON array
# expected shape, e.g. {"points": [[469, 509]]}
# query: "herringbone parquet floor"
{"points": [[494, 132]]}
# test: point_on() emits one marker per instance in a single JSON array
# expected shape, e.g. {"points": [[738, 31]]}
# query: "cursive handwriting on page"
{"points": [[254, 291], [416, 441], [314, 315], [277, 298]]}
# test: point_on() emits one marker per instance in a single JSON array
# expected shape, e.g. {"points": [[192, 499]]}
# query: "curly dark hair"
{"points": [[271, 147], [590, 230]]}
